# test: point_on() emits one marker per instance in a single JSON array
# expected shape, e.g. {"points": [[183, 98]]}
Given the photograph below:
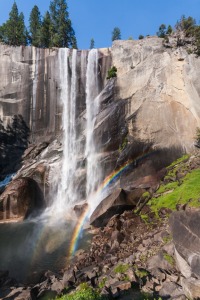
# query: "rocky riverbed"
{"points": [[146, 249]]}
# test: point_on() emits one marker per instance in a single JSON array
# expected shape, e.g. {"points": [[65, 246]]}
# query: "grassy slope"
{"points": [[182, 191]]}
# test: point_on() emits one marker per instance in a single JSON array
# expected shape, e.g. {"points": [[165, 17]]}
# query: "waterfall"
{"points": [[35, 84], [92, 108], [71, 169], [66, 195]]}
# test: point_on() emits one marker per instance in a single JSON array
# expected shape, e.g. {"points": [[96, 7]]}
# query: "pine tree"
{"points": [[169, 30], [14, 32], [162, 31], [62, 32], [116, 34], [46, 31], [35, 27], [91, 43]]}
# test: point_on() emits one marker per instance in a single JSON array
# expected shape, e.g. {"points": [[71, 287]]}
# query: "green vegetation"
{"points": [[197, 138], [141, 273], [62, 32], [169, 259], [189, 27], [167, 187], [13, 32], [167, 239], [45, 31], [112, 73], [140, 37], [116, 34], [161, 31], [182, 159], [187, 192], [103, 282], [123, 144], [169, 30], [92, 43], [35, 27], [121, 268], [54, 31], [145, 195], [85, 292]]}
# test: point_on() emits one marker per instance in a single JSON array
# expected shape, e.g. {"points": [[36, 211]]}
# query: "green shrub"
{"points": [[102, 282], [189, 51], [112, 72], [123, 144], [85, 292], [140, 37], [187, 192], [121, 268], [169, 259], [141, 273], [197, 138]]}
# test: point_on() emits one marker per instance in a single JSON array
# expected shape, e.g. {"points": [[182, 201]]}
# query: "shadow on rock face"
{"points": [[13, 142]]}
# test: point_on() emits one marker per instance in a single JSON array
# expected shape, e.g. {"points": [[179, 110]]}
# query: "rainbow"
{"points": [[85, 215]]}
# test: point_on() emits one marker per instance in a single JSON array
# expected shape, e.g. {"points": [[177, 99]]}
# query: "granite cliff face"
{"points": [[161, 89], [148, 115]]}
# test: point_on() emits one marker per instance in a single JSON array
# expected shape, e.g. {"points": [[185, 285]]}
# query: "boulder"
{"points": [[115, 203], [21, 198], [80, 208], [186, 237], [171, 289], [159, 261], [18, 293], [191, 287]]}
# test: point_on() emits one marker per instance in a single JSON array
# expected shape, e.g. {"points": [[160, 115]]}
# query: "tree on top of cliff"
{"points": [[161, 31], [63, 34], [35, 27], [91, 43], [13, 31], [46, 31], [116, 34], [187, 25]]}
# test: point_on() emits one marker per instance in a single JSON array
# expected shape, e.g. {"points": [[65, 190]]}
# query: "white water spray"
{"points": [[92, 109], [66, 195]]}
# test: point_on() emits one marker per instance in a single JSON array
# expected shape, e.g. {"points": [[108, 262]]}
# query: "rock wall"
{"points": [[30, 86], [159, 86], [148, 114], [161, 89]]}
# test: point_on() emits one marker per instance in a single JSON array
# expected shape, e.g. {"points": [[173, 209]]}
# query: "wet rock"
{"points": [[114, 204], [80, 208], [51, 285], [19, 294], [69, 278], [21, 198]]}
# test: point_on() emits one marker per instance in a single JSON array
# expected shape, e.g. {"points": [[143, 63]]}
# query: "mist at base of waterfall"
{"points": [[30, 248]]}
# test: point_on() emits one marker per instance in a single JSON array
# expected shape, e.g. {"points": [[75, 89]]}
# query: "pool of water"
{"points": [[28, 249]]}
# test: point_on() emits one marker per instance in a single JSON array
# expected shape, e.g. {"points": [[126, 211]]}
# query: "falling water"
{"points": [[66, 190], [92, 108], [35, 83]]}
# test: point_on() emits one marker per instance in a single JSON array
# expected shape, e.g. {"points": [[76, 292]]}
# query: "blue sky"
{"points": [[97, 18]]}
